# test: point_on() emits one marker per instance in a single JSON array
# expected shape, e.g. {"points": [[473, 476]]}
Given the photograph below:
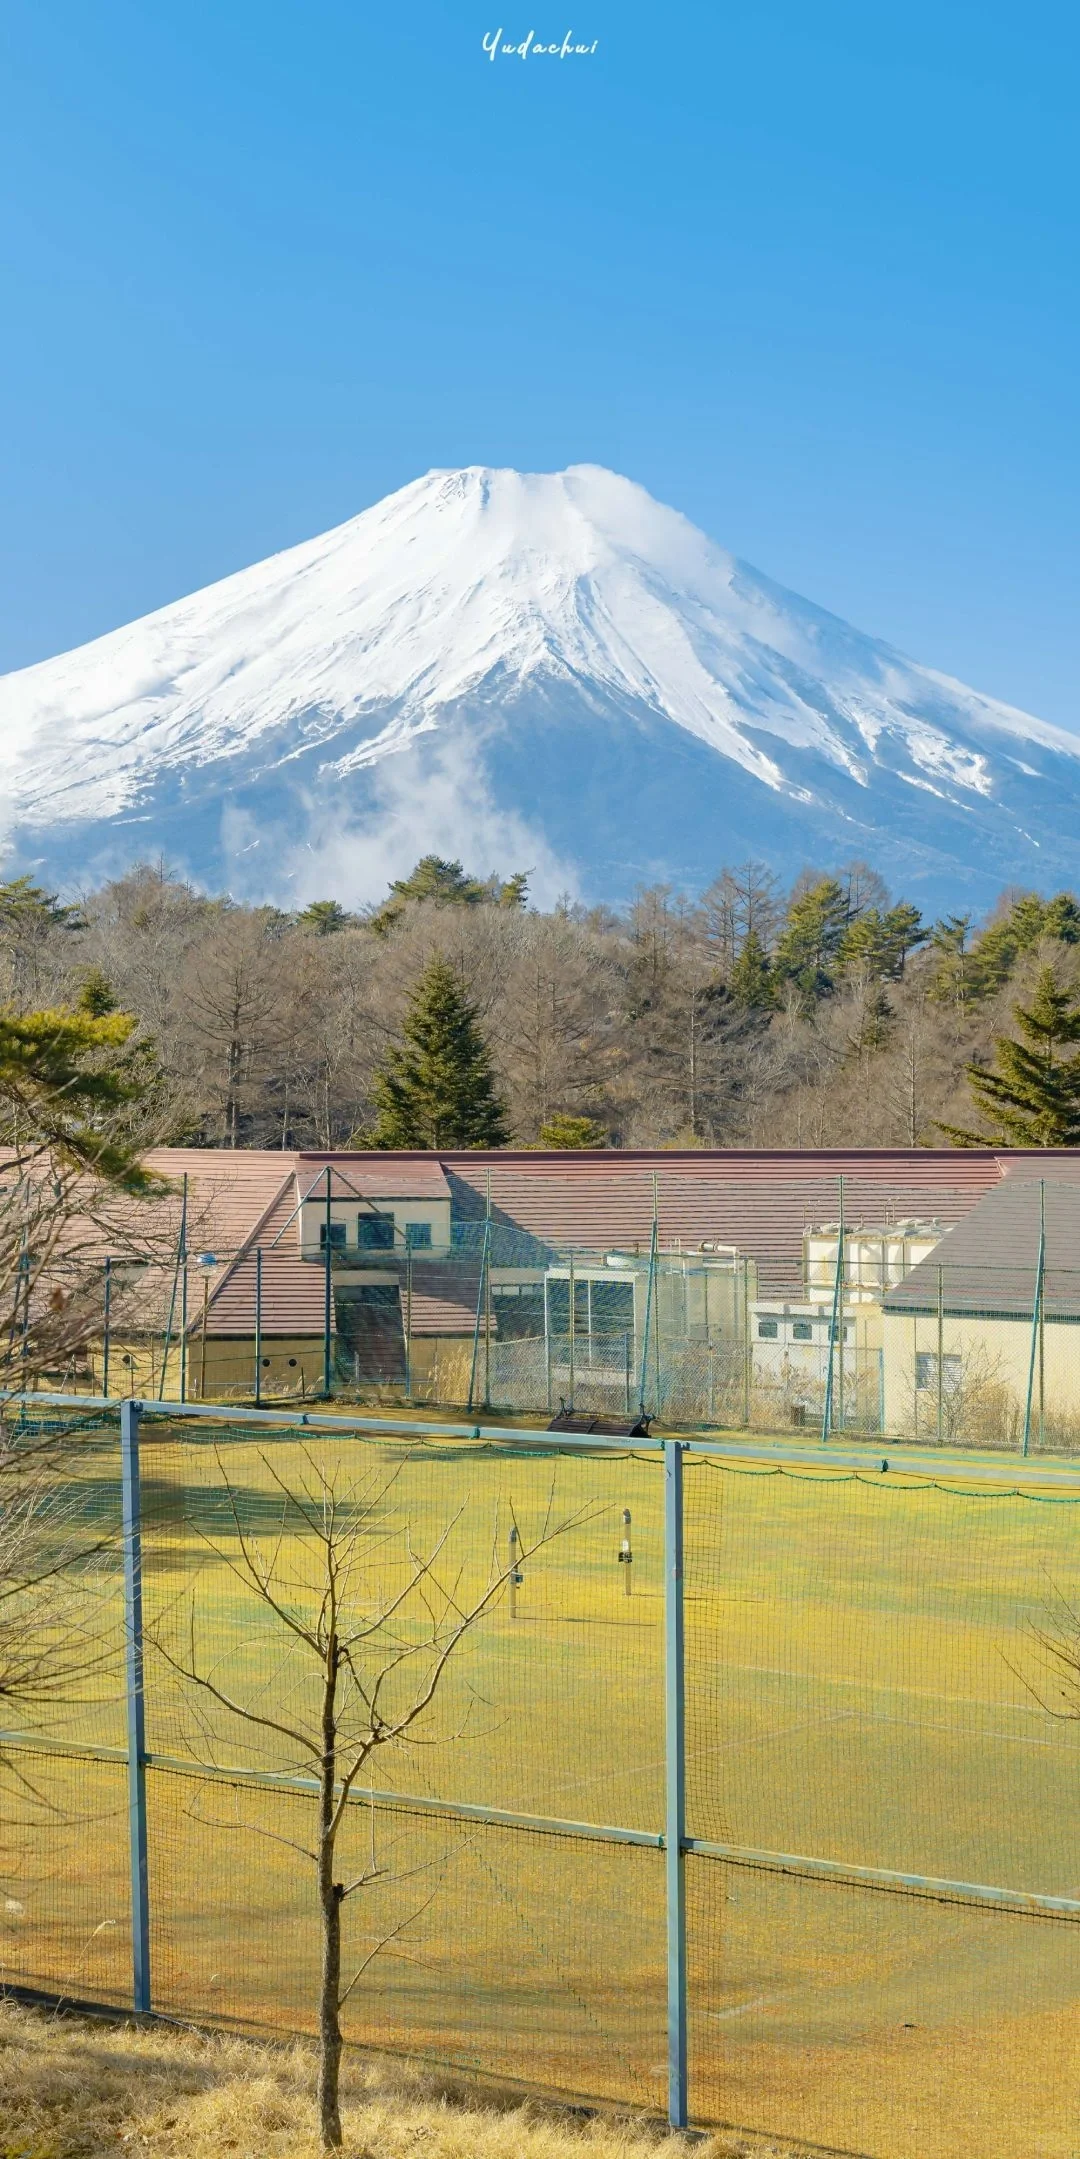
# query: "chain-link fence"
{"points": [[868, 1337], [796, 1744]]}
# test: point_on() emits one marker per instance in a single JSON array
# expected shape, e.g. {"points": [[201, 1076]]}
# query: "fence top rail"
{"points": [[882, 1461], [878, 1461], [321, 1420]]}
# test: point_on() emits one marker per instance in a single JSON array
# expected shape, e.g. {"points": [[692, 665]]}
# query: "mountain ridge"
{"points": [[554, 664]]}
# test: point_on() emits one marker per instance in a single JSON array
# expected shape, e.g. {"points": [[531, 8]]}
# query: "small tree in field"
{"points": [[368, 1634]]}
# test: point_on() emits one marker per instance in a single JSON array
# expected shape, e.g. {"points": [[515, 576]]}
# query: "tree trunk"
{"points": [[330, 1896]]}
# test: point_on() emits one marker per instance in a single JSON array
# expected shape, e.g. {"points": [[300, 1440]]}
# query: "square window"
{"points": [[418, 1236], [768, 1329], [375, 1232], [926, 1372], [337, 1236], [802, 1330]]}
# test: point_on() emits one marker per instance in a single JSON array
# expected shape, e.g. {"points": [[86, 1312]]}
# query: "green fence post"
{"points": [[940, 1355], [675, 1782], [1036, 1323], [258, 1326], [836, 1321], [328, 1305], [184, 1301], [106, 1320], [479, 1313], [136, 1709], [648, 1319]]}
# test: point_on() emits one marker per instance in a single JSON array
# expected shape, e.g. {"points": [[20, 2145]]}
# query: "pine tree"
{"points": [[808, 950], [752, 987], [323, 917], [876, 944], [438, 1088], [97, 997], [1033, 1098]]}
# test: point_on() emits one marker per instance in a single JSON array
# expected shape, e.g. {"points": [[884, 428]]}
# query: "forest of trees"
{"points": [[825, 1014]]}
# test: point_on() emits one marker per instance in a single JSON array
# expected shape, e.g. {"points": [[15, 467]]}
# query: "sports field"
{"points": [[863, 1674]]}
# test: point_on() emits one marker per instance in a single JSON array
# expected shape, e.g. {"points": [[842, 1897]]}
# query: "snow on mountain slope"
{"points": [[552, 663]]}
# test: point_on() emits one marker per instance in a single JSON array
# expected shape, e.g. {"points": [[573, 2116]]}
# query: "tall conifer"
{"points": [[1033, 1098], [438, 1088]]}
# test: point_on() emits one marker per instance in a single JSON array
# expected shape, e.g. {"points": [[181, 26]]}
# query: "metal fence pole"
{"points": [[106, 1324], [1036, 1325], [675, 1782], [836, 1324], [479, 1314], [746, 1342], [258, 1326], [648, 1321], [136, 1716], [940, 1355], [328, 1305], [573, 1336]]}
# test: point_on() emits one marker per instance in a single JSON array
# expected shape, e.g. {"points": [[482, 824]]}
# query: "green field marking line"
{"points": [[1020, 1901]]}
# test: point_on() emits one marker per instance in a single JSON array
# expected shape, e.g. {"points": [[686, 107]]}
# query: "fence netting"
{"points": [[868, 1661], [880, 1736], [865, 1337]]}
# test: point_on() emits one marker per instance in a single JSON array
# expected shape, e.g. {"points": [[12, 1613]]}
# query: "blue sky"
{"points": [[808, 273]]}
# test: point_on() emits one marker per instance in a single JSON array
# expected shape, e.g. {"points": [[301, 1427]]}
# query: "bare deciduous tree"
{"points": [[368, 1632]]}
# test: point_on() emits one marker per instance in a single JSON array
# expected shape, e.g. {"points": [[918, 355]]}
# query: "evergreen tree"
{"points": [[447, 884], [752, 986], [1019, 930], [97, 996], [563, 1131], [808, 950], [69, 1083], [1033, 1098], [878, 941], [951, 979], [438, 1088], [323, 917]]}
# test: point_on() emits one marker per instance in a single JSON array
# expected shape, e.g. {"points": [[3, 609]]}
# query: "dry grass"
{"points": [[72, 2088]]}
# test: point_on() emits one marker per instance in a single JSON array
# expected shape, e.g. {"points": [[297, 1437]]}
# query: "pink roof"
{"points": [[758, 1200]]}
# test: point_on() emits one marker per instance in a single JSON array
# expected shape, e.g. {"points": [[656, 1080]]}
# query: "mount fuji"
{"points": [[546, 671]]}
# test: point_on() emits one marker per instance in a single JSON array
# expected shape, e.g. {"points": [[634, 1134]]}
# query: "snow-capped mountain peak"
{"points": [[553, 663]]}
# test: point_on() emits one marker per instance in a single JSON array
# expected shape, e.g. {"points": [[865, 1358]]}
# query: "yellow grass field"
{"points": [[863, 1673]]}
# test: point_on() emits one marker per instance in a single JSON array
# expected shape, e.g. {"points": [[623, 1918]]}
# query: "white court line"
{"points": [[879, 1686]]}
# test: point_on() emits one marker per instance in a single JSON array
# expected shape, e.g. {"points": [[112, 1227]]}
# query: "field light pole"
{"points": [[675, 1782], [136, 1709]]}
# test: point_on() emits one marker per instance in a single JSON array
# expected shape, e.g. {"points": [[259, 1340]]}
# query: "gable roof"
{"points": [[988, 1264], [759, 1200]]}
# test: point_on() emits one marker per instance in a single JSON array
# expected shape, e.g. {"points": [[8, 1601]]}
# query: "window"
{"points": [[337, 1236], [802, 1330], [926, 1372], [418, 1236], [375, 1232], [612, 1307], [768, 1329]]}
